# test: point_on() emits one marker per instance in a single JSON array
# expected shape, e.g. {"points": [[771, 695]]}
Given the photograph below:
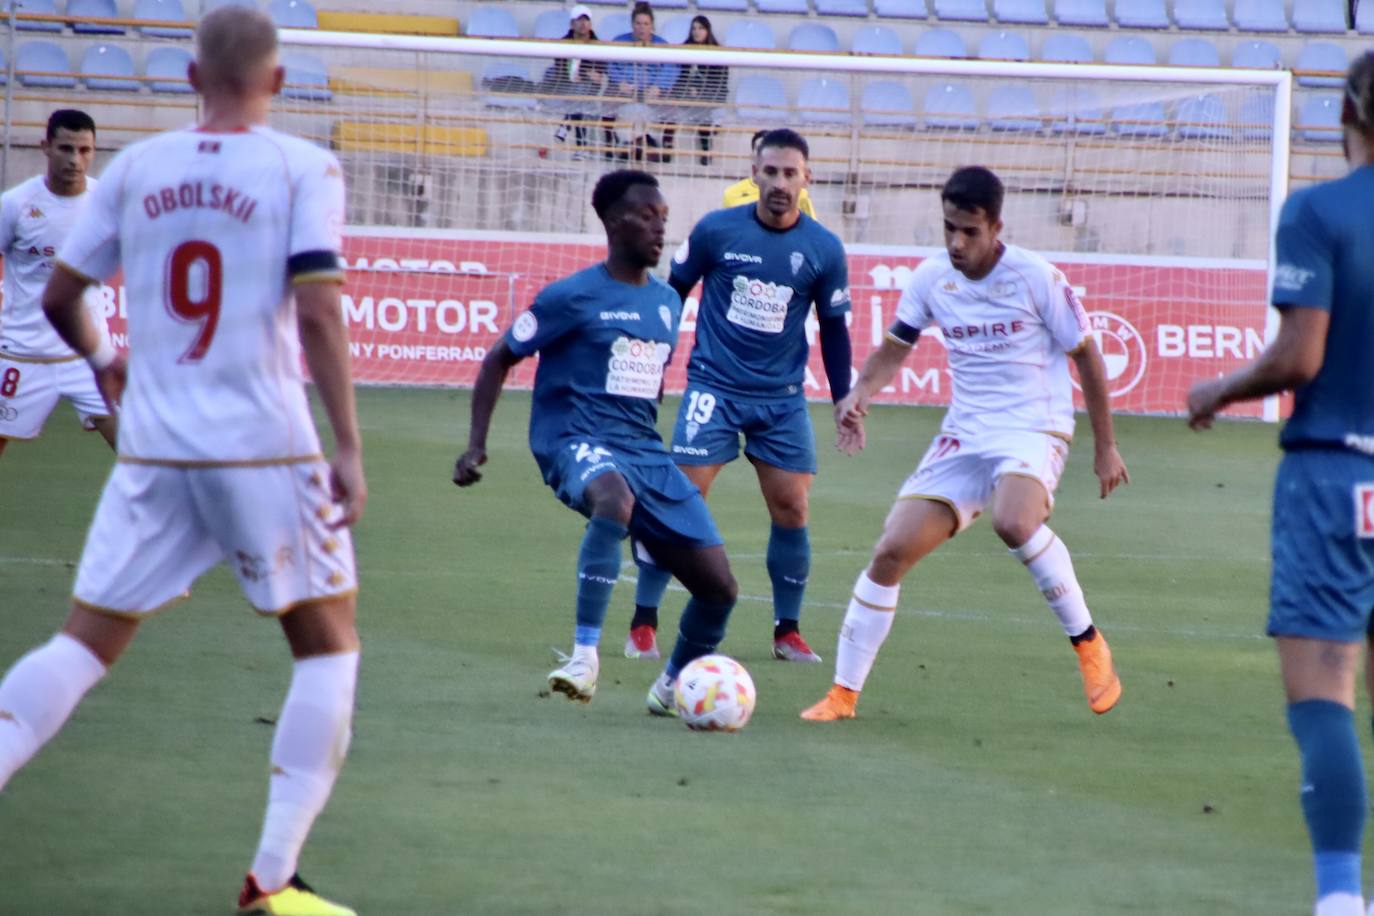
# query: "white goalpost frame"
{"points": [[1281, 82]]}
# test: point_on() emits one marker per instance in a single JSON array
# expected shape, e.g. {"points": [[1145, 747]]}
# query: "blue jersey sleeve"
{"points": [[831, 294], [550, 317], [694, 257], [1304, 275]]}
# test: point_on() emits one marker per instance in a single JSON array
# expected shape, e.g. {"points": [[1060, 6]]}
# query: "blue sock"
{"points": [[598, 566], [653, 581], [789, 565], [701, 630], [1333, 791]]}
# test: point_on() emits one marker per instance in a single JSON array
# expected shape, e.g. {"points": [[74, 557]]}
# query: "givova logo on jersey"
{"points": [[635, 369], [758, 305]]}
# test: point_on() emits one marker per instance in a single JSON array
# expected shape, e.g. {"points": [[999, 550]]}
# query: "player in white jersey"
{"points": [[1010, 323], [37, 369], [215, 228]]}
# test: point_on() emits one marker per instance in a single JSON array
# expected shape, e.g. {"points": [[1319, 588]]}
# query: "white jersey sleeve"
{"points": [[317, 216], [92, 249], [9, 216], [1060, 309], [913, 308]]}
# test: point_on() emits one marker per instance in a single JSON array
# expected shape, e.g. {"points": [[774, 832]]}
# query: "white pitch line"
{"points": [[35, 561]]}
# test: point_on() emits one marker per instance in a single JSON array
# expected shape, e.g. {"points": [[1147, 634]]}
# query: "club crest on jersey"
{"points": [[798, 259], [667, 315], [951, 287], [35, 213], [1364, 510]]}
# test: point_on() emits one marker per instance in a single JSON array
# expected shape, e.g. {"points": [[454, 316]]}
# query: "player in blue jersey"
{"points": [[1322, 585], [763, 266], [603, 336]]}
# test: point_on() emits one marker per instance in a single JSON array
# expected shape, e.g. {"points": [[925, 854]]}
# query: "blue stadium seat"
{"points": [[670, 5], [1013, 108], [876, 39], [842, 8], [900, 9], [306, 77], [676, 29], [888, 104], [1257, 116], [1078, 111], [1140, 119], [1142, 14], [730, 6], [605, 2], [749, 33], [813, 36], [491, 22], [790, 7], [551, 25], [949, 106], [1129, 49], [612, 26], [1364, 18], [37, 8], [1025, 12], [1067, 48], [169, 66], [1201, 14], [94, 9], [293, 14], [208, 6], [1003, 46], [1319, 16], [43, 57], [1202, 117], [759, 97], [1256, 55], [962, 10], [824, 100], [1082, 13], [164, 11], [108, 68], [1322, 56], [500, 74], [1260, 16], [1319, 119], [942, 43], [1194, 52]]}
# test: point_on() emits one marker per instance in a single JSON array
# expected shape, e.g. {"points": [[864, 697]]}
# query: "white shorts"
{"points": [[158, 528], [30, 390], [961, 472]]}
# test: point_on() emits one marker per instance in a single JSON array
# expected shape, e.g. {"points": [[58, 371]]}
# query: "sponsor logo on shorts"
{"points": [[690, 450], [1364, 510], [8, 412], [254, 567]]}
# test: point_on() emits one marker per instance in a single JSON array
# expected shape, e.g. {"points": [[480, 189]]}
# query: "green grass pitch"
{"points": [[974, 781]]}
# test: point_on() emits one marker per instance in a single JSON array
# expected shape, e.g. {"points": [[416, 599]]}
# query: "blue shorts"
{"points": [[1322, 581], [710, 422], [668, 507]]}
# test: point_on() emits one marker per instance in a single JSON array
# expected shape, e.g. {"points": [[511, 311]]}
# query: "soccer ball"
{"points": [[714, 694]]}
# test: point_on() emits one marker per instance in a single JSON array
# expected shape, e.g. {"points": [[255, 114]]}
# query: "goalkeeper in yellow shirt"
{"points": [[746, 191]]}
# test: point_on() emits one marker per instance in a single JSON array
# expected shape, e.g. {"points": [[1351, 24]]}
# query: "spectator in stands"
{"points": [[570, 76], [704, 86], [649, 84]]}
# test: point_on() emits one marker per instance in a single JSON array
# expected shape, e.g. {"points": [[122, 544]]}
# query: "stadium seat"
{"points": [[604, 3], [731, 6], [387, 23], [824, 100], [612, 26], [1260, 16], [1128, 49], [1319, 16], [1321, 57], [491, 22], [1021, 12], [169, 66], [1013, 108], [942, 43], [407, 139], [789, 7], [887, 104], [1202, 117], [293, 14], [857, 8], [162, 11], [759, 97], [1201, 14], [1257, 116], [949, 106], [962, 10], [670, 5], [36, 8], [551, 25], [94, 9], [307, 78], [676, 29], [1066, 47], [1256, 55], [1194, 52], [509, 79], [1364, 18], [1140, 119], [876, 39], [897, 9], [1003, 46], [1082, 12], [813, 36], [108, 68], [1319, 119], [749, 33], [1141, 14], [43, 64], [209, 6], [1078, 111]]}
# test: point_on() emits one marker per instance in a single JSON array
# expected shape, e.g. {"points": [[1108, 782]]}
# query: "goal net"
{"points": [[471, 163]]}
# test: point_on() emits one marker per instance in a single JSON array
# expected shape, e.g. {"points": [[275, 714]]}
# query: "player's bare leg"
{"points": [[3, 442], [914, 528], [1020, 506], [787, 495], [108, 427]]}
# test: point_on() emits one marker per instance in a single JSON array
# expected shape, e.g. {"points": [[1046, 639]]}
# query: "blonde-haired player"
{"points": [[228, 234], [1010, 323]]}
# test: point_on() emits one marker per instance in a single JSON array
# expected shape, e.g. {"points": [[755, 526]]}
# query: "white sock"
{"points": [[1339, 905], [1048, 561], [866, 625], [309, 747], [38, 694]]}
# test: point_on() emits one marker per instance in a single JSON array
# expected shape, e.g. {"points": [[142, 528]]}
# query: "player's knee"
{"points": [[617, 506], [791, 513], [719, 590], [1014, 531], [890, 562]]}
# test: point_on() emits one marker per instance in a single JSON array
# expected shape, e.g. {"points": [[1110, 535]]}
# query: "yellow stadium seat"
{"points": [[436, 140], [392, 23], [388, 81]]}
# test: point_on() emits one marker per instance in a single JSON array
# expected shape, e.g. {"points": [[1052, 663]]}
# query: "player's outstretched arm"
{"points": [[1092, 375], [324, 339], [67, 314], [1291, 361], [491, 378], [880, 367]]}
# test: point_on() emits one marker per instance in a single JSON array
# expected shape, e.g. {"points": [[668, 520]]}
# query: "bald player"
{"points": [[228, 235]]}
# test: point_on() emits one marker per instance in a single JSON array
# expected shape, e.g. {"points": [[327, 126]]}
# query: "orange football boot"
{"points": [[1100, 683], [838, 703]]}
